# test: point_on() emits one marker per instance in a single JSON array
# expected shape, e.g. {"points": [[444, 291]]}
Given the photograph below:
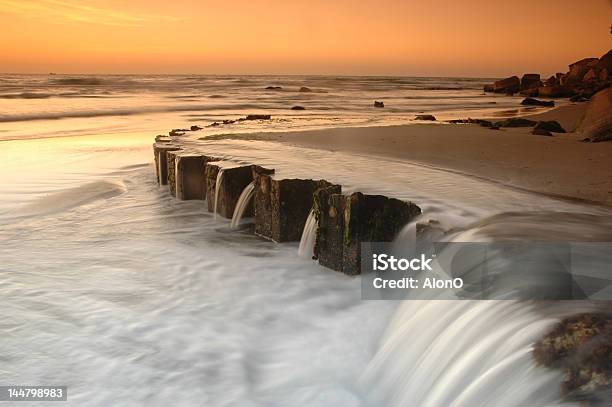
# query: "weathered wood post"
{"points": [[160, 150]]}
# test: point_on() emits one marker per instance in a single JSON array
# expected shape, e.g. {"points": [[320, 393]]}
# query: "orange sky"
{"points": [[373, 37]]}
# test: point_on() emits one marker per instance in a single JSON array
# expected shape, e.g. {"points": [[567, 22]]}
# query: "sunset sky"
{"points": [[382, 37]]}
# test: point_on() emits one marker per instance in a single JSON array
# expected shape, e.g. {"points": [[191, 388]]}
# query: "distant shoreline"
{"points": [[559, 166]]}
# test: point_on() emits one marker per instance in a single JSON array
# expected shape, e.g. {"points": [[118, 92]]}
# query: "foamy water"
{"points": [[130, 297]]}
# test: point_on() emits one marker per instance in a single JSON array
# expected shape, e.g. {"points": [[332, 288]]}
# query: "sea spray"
{"points": [[308, 236], [243, 201], [217, 186]]}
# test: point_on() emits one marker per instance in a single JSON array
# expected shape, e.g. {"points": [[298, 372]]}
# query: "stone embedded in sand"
{"points": [[508, 85], [190, 175], [516, 122], [427, 117], [233, 182], [537, 102], [346, 221], [305, 89], [597, 122], [282, 206], [298, 108], [530, 81], [580, 346], [378, 103], [551, 125], [160, 151], [273, 87]]}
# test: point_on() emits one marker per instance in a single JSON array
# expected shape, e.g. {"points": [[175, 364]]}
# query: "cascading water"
{"points": [[217, 186], [243, 201], [438, 352], [307, 241]]}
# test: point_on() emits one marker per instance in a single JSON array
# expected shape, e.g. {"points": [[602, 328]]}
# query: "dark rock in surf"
{"points": [[537, 102], [581, 347], [305, 89], [298, 108], [551, 125], [530, 81], [258, 117], [508, 85], [274, 87], [379, 104], [426, 117], [195, 128]]}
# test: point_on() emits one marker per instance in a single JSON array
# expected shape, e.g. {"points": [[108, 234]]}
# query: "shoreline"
{"points": [[559, 166]]}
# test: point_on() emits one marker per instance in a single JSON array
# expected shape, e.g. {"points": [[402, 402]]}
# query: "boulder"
{"points": [[427, 117], [508, 85], [537, 102], [597, 122], [552, 126], [274, 87], [305, 89], [160, 151], [530, 81], [232, 183], [605, 62], [533, 92], [581, 347], [555, 91], [378, 104], [516, 122], [282, 206], [298, 108], [347, 220], [195, 128], [577, 70]]}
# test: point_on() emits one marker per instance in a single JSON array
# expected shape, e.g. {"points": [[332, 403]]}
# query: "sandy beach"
{"points": [[561, 165]]}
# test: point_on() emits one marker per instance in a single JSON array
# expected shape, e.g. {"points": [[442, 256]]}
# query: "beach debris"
{"points": [[516, 122], [536, 102], [580, 346], [195, 128], [379, 103], [305, 89], [282, 206], [347, 220], [541, 132], [298, 108], [597, 122], [257, 117], [427, 117], [551, 125], [274, 87]]}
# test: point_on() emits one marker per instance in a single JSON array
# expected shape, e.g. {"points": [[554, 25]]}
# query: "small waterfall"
{"points": [[217, 186], [243, 201], [309, 234]]}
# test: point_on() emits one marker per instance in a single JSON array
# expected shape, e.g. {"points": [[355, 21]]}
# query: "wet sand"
{"points": [[561, 165]]}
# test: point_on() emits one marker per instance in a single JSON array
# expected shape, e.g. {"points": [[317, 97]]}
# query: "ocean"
{"points": [[131, 298]]}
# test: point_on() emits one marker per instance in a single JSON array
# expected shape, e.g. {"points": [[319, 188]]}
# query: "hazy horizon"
{"points": [[440, 38]]}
